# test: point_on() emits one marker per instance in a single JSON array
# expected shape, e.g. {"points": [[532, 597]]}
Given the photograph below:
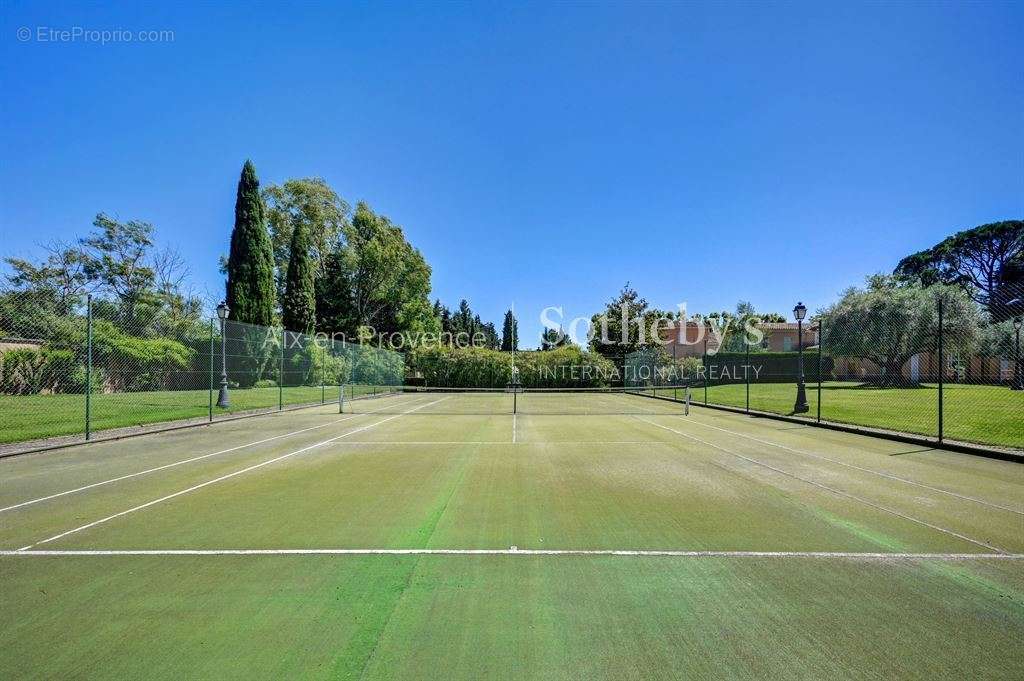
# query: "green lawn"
{"points": [[31, 417], [888, 608], [983, 414]]}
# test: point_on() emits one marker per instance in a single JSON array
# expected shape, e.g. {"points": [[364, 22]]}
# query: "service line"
{"points": [[833, 490], [178, 463], [860, 468]]}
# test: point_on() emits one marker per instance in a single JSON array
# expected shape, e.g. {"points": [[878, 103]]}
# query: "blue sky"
{"points": [[538, 154]]}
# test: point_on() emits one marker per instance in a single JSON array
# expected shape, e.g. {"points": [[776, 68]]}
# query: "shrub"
{"points": [[766, 367], [28, 371], [568, 366], [133, 363]]}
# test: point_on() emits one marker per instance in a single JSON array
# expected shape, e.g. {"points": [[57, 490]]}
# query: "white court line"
{"points": [[225, 477], [505, 443], [865, 470], [177, 463], [514, 427], [519, 552], [833, 490]]}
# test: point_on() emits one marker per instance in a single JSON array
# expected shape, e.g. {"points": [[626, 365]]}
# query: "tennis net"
{"points": [[551, 401]]}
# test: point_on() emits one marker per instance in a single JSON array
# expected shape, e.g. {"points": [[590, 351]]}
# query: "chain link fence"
{"points": [[941, 366], [946, 368], [104, 371]]}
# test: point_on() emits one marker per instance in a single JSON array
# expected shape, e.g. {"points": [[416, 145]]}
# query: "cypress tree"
{"points": [[509, 333], [299, 304], [250, 268]]}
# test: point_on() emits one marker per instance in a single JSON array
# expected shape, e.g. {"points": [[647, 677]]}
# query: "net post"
{"points": [[211, 370], [341, 398], [88, 367]]}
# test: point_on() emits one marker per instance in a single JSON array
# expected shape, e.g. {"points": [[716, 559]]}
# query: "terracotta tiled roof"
{"points": [[767, 326]]}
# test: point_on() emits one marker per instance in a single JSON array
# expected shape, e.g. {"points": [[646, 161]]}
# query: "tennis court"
{"points": [[560, 534]]}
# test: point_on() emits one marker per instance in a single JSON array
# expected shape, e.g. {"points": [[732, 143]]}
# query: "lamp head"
{"points": [[800, 311], [223, 310]]}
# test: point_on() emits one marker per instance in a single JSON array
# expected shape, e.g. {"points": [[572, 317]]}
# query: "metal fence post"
{"points": [[323, 376], [88, 368], [942, 371], [746, 374], [821, 325], [211, 368], [280, 372], [705, 361]]}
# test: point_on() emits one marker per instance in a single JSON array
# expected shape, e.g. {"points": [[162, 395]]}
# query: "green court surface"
{"points": [[434, 535]]}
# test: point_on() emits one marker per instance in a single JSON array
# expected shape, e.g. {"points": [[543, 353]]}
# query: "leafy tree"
{"points": [[385, 272], [59, 282], [335, 311], [416, 318], [310, 202], [299, 304], [250, 266], [1008, 299], [979, 259], [510, 333], [888, 322], [552, 339], [116, 256]]}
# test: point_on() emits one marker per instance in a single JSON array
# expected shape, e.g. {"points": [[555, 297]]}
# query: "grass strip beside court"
{"points": [[983, 414], [32, 417]]}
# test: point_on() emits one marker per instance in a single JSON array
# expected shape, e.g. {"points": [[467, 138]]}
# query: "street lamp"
{"points": [[222, 398], [801, 392], [1018, 370]]}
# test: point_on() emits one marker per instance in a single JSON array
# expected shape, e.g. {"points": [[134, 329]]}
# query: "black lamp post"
{"points": [[801, 406], [222, 398], [1018, 370]]}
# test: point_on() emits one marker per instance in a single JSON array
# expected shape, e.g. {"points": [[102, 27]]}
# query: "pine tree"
{"points": [[446, 320], [509, 333], [250, 267], [493, 342], [553, 338], [464, 317], [299, 304]]}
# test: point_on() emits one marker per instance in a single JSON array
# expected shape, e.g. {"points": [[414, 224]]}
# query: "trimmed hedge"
{"points": [[766, 367], [565, 367]]}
